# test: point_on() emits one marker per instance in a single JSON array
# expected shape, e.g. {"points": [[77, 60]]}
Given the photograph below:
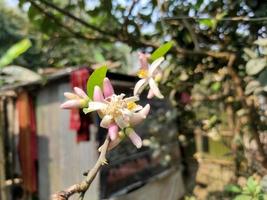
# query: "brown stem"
{"points": [[83, 186], [252, 117]]}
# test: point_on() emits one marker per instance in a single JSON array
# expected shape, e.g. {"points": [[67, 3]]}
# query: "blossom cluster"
{"points": [[120, 114]]}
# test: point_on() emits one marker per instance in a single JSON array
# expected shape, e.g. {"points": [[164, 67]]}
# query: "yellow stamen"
{"points": [[142, 73], [131, 105]]}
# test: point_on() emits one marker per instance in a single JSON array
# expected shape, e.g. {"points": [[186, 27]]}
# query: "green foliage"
{"points": [[96, 79], [15, 51], [161, 51], [251, 191], [233, 188], [216, 86], [254, 66]]}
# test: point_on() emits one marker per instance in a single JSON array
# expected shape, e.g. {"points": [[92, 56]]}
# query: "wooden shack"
{"points": [[61, 157]]}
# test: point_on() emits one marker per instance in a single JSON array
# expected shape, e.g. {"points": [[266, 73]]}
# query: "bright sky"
{"points": [[12, 3]]}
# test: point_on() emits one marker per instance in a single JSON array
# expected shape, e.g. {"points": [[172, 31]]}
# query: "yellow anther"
{"points": [[142, 73], [131, 105]]}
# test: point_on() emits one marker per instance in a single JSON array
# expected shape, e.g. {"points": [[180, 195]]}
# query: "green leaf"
{"points": [[161, 51], [96, 79], [243, 197], [250, 53], [232, 188], [254, 66], [252, 86], [216, 86], [261, 42], [263, 78], [208, 22], [86, 110], [251, 184], [15, 51]]}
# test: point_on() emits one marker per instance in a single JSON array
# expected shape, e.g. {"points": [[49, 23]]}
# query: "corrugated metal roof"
{"points": [[63, 75]]}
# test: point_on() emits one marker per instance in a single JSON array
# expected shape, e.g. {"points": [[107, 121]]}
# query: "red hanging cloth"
{"points": [[78, 120]]}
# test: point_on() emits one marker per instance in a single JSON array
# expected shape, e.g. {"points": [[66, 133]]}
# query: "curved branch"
{"points": [[64, 26], [81, 21], [83, 186]]}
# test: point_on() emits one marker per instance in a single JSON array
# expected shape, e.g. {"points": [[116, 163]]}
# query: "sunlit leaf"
{"points": [[251, 184], [96, 79], [216, 86], [254, 66], [15, 51], [252, 86], [161, 51], [207, 22], [250, 53], [261, 42], [243, 197], [232, 188]]}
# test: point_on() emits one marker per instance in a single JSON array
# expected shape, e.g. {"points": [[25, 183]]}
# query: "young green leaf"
{"points": [[243, 197], [232, 188], [96, 79], [15, 51], [161, 51]]}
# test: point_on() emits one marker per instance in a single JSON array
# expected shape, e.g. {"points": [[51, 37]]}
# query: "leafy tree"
{"points": [[209, 60]]}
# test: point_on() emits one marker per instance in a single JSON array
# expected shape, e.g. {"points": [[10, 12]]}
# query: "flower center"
{"points": [[142, 73], [131, 105], [115, 106]]}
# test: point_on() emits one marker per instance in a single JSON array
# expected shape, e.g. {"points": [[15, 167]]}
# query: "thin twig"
{"points": [[192, 33], [236, 18], [83, 186], [69, 29], [81, 21]]}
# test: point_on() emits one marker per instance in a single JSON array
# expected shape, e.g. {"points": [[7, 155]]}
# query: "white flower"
{"points": [[149, 76], [117, 113]]}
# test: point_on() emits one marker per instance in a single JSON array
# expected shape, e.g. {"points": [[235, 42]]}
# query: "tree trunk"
{"points": [[2, 158]]}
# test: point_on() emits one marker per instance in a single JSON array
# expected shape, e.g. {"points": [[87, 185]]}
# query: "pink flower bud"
{"points": [[107, 88], [98, 95], [113, 131], [80, 93], [70, 95], [70, 104], [143, 59]]}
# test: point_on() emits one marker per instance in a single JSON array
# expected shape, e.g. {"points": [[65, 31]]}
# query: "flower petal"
{"points": [[150, 94], [106, 121], [155, 65], [139, 117], [107, 88], [154, 87], [70, 95], [70, 104], [98, 95], [93, 106], [131, 99], [80, 93], [136, 140], [140, 86], [121, 122], [113, 131], [143, 59]]}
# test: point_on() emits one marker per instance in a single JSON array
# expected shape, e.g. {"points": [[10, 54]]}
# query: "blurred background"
{"points": [[205, 140]]}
